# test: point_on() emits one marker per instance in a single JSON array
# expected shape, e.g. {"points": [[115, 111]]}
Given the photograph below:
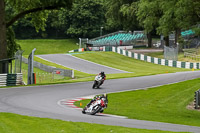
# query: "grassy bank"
{"points": [[47, 46], [136, 67], [133, 67], [12, 123], [52, 46], [168, 103]]}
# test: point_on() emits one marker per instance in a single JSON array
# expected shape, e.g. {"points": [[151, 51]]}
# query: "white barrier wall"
{"points": [[154, 60]]}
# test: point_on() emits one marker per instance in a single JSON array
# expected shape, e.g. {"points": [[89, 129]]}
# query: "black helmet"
{"points": [[102, 72]]}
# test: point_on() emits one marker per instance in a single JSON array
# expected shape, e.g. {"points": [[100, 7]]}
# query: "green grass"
{"points": [[137, 67], [47, 46], [166, 103], [12, 123], [25, 71]]}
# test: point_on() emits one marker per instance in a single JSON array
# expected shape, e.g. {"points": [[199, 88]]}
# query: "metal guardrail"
{"points": [[197, 99]]}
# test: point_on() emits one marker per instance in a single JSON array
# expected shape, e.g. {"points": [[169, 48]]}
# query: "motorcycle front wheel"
{"points": [[94, 85], [95, 110]]}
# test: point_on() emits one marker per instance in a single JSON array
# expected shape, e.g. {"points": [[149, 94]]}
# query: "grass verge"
{"points": [[137, 67], [166, 103], [24, 124], [47, 46], [134, 67]]}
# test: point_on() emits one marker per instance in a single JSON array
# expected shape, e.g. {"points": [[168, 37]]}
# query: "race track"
{"points": [[43, 101], [79, 64]]}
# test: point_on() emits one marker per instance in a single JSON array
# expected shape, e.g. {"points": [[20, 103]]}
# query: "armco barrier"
{"points": [[171, 63], [3, 79], [11, 79], [50, 69]]}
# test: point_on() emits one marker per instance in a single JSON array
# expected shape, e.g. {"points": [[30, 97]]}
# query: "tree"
{"points": [[86, 18], [121, 14], [148, 14], [12, 46], [21, 8], [188, 14], [168, 16]]}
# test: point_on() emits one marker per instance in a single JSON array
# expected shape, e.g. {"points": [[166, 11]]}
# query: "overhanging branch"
{"points": [[31, 11]]}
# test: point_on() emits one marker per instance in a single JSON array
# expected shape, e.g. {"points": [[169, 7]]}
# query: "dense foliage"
{"points": [[83, 20], [41, 19], [13, 10]]}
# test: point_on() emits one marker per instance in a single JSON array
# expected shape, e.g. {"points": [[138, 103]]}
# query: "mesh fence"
{"points": [[171, 53], [18, 61], [44, 77]]}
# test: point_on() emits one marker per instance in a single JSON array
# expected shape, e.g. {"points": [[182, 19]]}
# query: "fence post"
{"points": [[197, 99], [30, 67]]}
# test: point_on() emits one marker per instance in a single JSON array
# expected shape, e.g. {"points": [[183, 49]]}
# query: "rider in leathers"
{"points": [[98, 97]]}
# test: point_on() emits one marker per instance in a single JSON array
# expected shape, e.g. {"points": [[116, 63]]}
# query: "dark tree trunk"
{"points": [[149, 40], [166, 40], [3, 46], [177, 35]]}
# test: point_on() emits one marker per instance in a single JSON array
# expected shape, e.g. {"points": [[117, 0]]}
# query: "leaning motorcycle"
{"points": [[97, 81], [96, 106]]}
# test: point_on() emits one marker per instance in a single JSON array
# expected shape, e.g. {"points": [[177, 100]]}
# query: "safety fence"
{"points": [[50, 69], [11, 79], [45, 77], [171, 63], [192, 56]]}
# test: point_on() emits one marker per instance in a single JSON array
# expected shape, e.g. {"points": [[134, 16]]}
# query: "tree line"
{"points": [[83, 18]]}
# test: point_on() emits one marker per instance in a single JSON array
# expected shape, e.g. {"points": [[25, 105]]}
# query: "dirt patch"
{"points": [[191, 107], [143, 51]]}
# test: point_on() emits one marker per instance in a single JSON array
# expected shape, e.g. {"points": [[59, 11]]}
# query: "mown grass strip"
{"points": [[47, 46], [166, 103], [139, 68], [23, 124]]}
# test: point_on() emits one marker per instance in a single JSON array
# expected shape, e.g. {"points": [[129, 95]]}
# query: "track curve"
{"points": [[79, 64], [41, 101]]}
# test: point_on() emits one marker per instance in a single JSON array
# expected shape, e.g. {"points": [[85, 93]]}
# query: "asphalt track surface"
{"points": [[82, 65], [43, 101]]}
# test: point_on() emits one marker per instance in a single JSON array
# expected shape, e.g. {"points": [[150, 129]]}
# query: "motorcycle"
{"points": [[96, 106], [97, 81]]}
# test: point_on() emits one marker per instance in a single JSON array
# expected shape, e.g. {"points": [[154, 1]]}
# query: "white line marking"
{"points": [[100, 64]]}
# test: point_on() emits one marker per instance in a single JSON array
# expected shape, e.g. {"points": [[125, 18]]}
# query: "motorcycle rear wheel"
{"points": [[83, 111]]}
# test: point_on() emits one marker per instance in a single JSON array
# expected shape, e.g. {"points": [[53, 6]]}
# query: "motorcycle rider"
{"points": [[103, 77], [99, 97]]}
